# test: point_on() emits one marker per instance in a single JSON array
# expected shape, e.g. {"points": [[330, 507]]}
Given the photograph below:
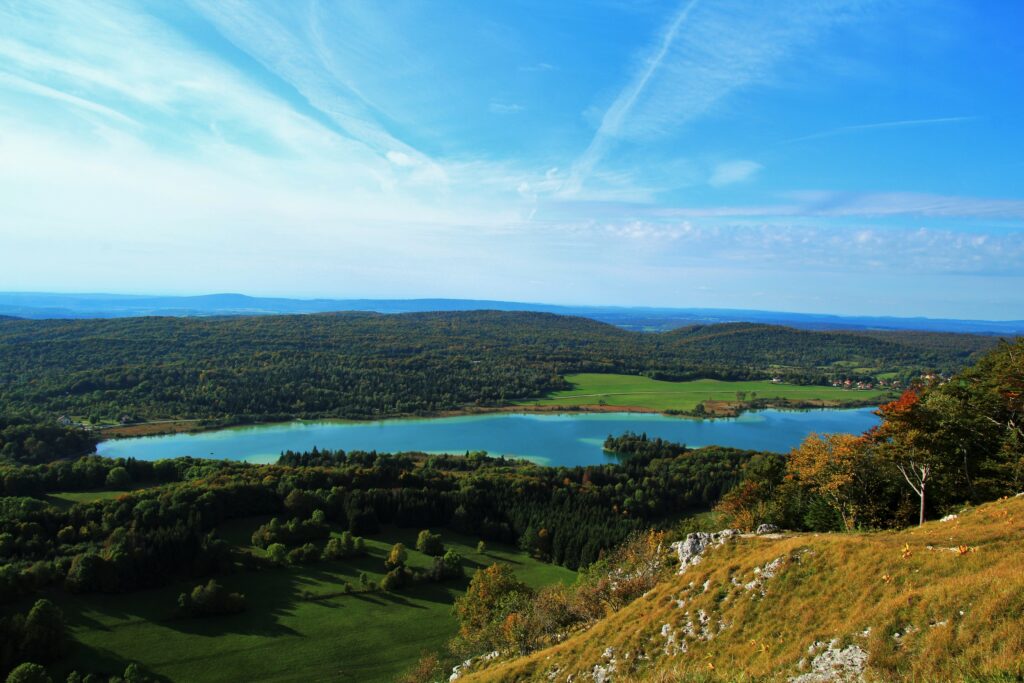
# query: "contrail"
{"points": [[620, 109], [883, 124]]}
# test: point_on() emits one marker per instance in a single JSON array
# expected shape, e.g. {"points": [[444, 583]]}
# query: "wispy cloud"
{"points": [[348, 147], [505, 107], [778, 245], [907, 203], [908, 123], [298, 55], [731, 172], [61, 96], [615, 116], [867, 204], [686, 73]]}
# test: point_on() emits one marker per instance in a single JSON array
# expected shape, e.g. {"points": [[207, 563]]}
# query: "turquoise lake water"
{"points": [[561, 440]]}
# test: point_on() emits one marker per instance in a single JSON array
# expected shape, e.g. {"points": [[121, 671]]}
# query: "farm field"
{"points": [[642, 392], [287, 633]]}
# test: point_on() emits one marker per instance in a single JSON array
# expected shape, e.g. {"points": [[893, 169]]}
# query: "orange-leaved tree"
{"points": [[494, 593], [830, 465], [906, 438]]}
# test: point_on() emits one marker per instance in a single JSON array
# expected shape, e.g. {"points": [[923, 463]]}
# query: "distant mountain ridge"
{"points": [[41, 305]]}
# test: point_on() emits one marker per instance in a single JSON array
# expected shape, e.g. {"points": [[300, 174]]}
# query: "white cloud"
{"points": [[811, 204], [401, 159], [730, 172], [505, 108]]}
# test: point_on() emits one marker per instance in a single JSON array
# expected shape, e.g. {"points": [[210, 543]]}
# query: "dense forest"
{"points": [[164, 529], [963, 438], [30, 442], [359, 365]]}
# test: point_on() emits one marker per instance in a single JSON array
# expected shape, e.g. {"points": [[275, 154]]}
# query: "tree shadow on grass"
{"points": [[94, 660], [270, 594], [502, 560]]}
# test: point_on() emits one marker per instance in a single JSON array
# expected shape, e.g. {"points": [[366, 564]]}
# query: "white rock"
{"points": [[834, 665], [691, 550]]}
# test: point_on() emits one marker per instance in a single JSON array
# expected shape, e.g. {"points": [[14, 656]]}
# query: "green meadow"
{"points": [[642, 392], [66, 500], [297, 625]]}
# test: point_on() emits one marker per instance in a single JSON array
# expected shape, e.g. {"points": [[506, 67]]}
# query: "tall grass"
{"points": [[943, 602]]}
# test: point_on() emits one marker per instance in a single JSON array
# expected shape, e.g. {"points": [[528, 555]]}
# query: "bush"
{"points": [[211, 599], [397, 556], [29, 673], [293, 531], [304, 554], [447, 567], [494, 595], [277, 553], [396, 578], [345, 546], [429, 543]]}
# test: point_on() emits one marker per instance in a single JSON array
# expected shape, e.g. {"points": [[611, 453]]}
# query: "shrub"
{"points": [[493, 595], [211, 599], [429, 543], [346, 545], [447, 567], [397, 556], [304, 554], [396, 578], [277, 553], [292, 532], [29, 673]]}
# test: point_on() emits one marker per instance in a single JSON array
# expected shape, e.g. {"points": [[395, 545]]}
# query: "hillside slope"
{"points": [[360, 365], [936, 603]]}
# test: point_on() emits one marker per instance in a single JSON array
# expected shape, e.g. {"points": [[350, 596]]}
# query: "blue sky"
{"points": [[827, 156]]}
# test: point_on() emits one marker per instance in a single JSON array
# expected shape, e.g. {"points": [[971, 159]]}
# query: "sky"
{"points": [[835, 156]]}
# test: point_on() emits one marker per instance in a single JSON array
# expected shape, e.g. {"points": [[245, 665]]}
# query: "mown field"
{"points": [[287, 632], [643, 392]]}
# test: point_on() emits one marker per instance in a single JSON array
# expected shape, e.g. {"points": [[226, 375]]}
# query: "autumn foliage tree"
{"points": [[831, 465], [485, 611], [907, 440]]}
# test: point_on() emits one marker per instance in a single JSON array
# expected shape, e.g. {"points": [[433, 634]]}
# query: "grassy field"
{"points": [[66, 500], [287, 633], [643, 392], [942, 602]]}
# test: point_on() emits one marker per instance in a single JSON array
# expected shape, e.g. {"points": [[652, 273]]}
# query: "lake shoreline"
{"points": [[195, 426], [550, 436]]}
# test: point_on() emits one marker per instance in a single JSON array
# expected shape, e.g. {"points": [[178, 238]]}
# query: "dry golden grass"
{"points": [[953, 591]]}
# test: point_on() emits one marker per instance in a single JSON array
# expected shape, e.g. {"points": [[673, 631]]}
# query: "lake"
{"points": [[562, 439]]}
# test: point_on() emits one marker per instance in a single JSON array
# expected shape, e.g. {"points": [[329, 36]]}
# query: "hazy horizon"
{"points": [[855, 158], [639, 308]]}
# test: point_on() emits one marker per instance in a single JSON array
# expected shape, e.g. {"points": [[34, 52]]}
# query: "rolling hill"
{"points": [[366, 364], [42, 305]]}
